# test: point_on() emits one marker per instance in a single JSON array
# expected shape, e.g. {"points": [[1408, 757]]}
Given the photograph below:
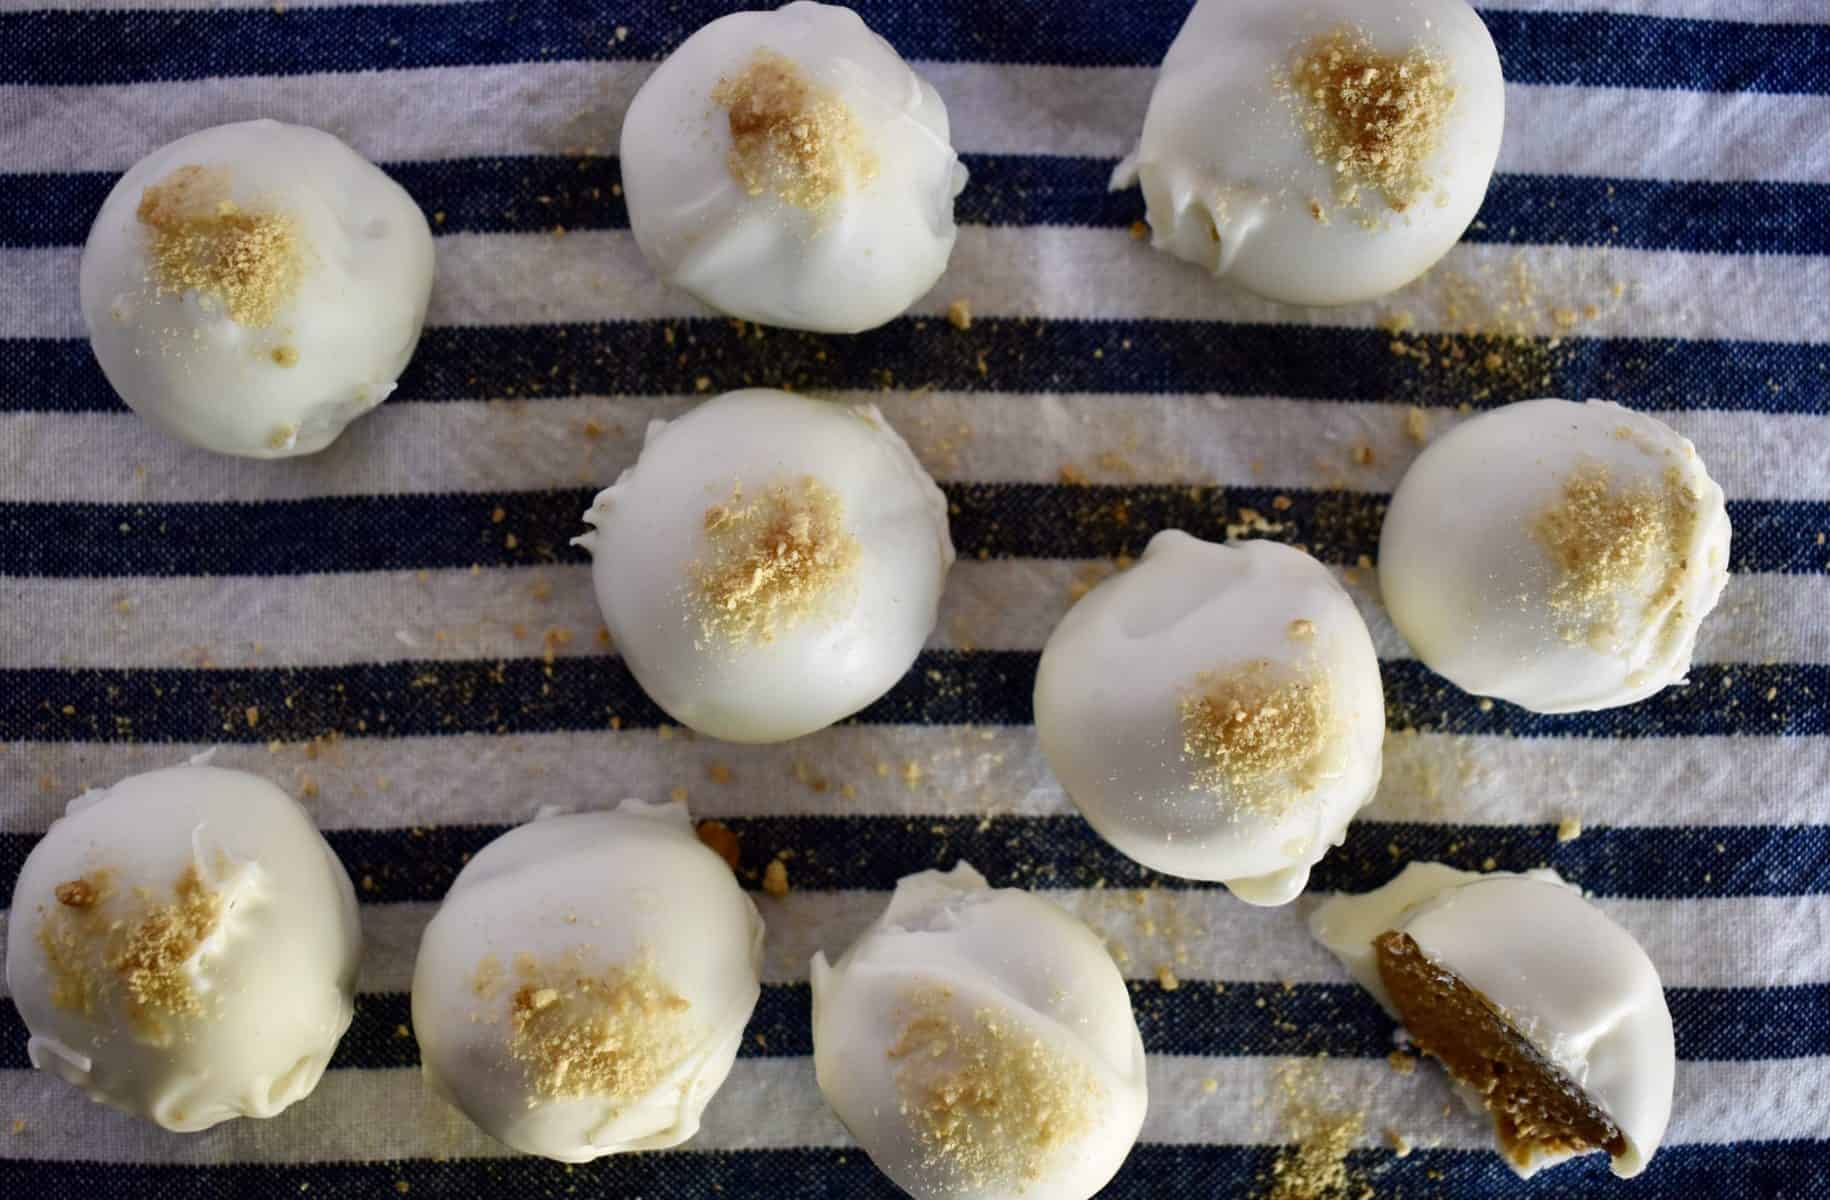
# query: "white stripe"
{"points": [[454, 615], [363, 783], [585, 442], [775, 1104], [516, 279], [577, 107]]}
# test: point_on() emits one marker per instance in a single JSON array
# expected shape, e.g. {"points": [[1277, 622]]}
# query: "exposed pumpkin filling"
{"points": [[1537, 1109]]}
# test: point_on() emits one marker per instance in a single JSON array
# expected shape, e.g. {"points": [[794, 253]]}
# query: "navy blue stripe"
{"points": [[541, 194], [943, 687], [1616, 50], [989, 520], [1773, 1170], [1338, 1020], [873, 852], [1023, 355]]}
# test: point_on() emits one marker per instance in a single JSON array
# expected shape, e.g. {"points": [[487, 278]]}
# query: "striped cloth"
{"points": [[397, 631]]}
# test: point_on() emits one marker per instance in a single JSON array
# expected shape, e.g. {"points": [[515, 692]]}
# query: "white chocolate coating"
{"points": [[273, 981], [856, 262], [182, 362], [612, 889], [1568, 979], [650, 532], [1468, 580], [998, 953], [1229, 175], [1116, 671]]}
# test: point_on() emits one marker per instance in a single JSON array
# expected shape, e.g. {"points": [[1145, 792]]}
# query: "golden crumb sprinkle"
{"points": [[152, 958], [1609, 543], [76, 893], [615, 1034], [991, 1103], [1374, 119], [250, 263], [791, 137], [1251, 727], [773, 562], [1569, 829], [959, 314], [1321, 1133]]}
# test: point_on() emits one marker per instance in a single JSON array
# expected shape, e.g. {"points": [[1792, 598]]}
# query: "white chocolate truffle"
{"points": [[253, 288], [1559, 974], [183, 947], [1322, 152], [583, 988], [789, 168], [771, 564], [1560, 556], [979, 1044], [1216, 712]]}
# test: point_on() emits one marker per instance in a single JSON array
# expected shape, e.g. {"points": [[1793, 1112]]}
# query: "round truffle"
{"points": [[1320, 153], [254, 288], [1560, 556], [183, 947], [1215, 712], [789, 168], [583, 988], [979, 1044], [1549, 1016], [771, 563]]}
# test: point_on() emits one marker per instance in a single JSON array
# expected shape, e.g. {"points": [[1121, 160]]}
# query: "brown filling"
{"points": [[1536, 1108]]}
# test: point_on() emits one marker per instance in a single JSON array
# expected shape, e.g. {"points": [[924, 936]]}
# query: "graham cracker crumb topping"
{"points": [[774, 562], [1608, 543], [1252, 726], [991, 1102], [1375, 119], [145, 948], [614, 1034], [250, 263], [791, 137]]}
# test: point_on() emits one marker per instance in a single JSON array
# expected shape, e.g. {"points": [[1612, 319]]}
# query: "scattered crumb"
{"points": [[1322, 1132], [959, 314], [1569, 829], [719, 836], [1416, 424], [775, 878], [1166, 979], [1401, 1145], [718, 774], [1401, 1062]]}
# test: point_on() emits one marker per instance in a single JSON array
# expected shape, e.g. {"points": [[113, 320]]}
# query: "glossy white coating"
{"points": [[1567, 978], [1229, 175], [1000, 953], [852, 264], [1468, 581], [1111, 685], [332, 352], [650, 531], [273, 981], [611, 889]]}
